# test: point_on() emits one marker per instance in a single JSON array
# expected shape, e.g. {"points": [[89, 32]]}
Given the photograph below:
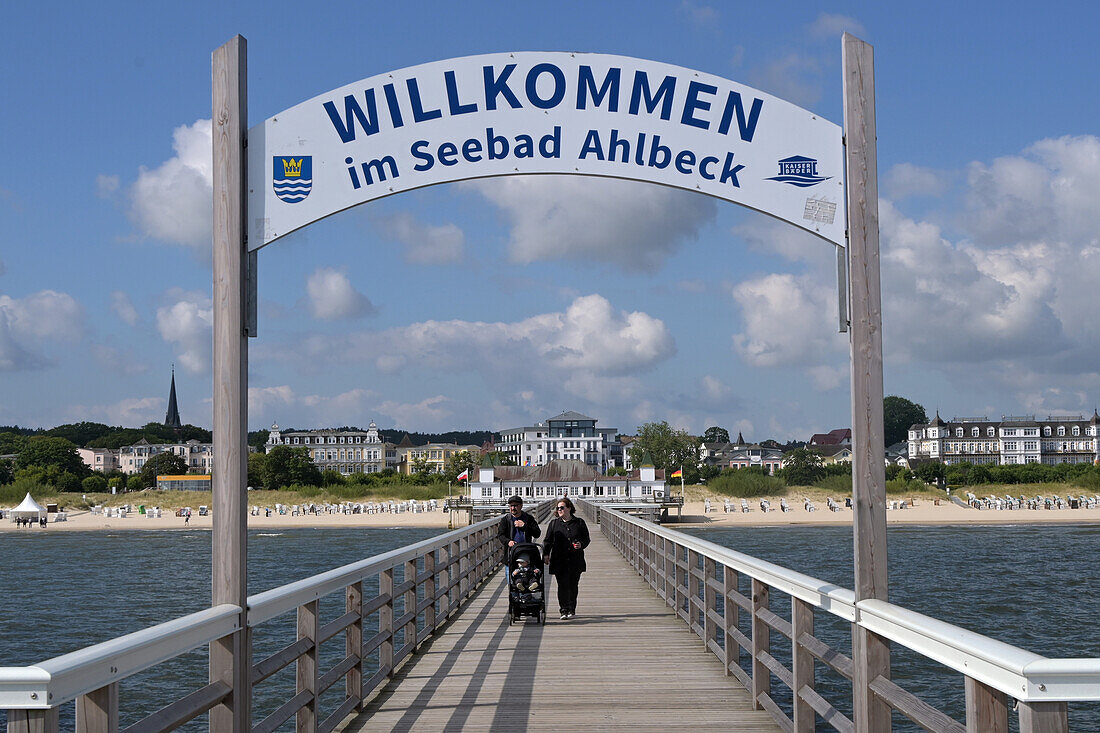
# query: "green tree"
{"points": [[7, 471], [802, 467], [898, 414], [256, 463], [94, 484], [462, 461], [46, 451], [79, 433], [499, 458], [931, 472], [134, 483], [162, 464], [421, 466], [286, 465], [12, 443], [716, 435], [258, 438], [669, 448]]}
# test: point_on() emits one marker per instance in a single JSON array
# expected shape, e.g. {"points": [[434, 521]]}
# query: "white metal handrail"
{"points": [[1041, 685], [64, 678]]}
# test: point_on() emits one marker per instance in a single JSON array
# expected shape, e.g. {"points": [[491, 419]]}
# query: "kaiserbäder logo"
{"points": [[798, 170], [292, 178]]}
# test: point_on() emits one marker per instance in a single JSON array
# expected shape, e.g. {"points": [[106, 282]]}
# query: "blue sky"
{"points": [[490, 304]]}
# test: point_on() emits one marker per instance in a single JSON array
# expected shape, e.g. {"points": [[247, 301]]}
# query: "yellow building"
{"points": [[438, 455]]}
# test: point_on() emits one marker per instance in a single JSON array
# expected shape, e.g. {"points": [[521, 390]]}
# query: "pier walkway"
{"points": [[625, 662]]}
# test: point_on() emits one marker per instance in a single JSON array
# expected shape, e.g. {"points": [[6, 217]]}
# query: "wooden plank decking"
{"points": [[623, 663]]}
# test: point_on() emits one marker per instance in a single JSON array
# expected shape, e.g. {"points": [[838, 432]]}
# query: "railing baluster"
{"points": [[97, 712], [986, 708], [761, 642], [1043, 717], [307, 672], [693, 591], [33, 721], [802, 664], [730, 616], [409, 635], [710, 601], [385, 622], [463, 568], [429, 592], [353, 643]]}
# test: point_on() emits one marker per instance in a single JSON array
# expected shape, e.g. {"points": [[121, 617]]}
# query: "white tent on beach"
{"points": [[29, 508]]}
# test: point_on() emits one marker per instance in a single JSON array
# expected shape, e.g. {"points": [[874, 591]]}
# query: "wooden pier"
{"points": [[625, 662]]}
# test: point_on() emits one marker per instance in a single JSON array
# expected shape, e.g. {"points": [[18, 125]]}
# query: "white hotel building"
{"points": [[346, 451], [1012, 440], [568, 436]]}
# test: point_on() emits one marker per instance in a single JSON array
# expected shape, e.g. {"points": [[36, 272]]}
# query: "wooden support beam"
{"points": [[33, 721], [1044, 717], [353, 644], [871, 654], [761, 642], [229, 662], [97, 712], [986, 708], [307, 670], [802, 665]]}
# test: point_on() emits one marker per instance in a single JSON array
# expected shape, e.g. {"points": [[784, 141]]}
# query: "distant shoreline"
{"points": [[924, 512]]}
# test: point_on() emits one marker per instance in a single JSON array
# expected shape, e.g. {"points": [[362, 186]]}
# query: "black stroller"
{"points": [[526, 583]]}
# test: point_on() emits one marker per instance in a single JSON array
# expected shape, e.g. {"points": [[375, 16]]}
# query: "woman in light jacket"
{"points": [[563, 548]]}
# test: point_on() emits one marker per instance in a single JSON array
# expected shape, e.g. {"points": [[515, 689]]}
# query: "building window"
{"points": [[989, 432], [1076, 430]]}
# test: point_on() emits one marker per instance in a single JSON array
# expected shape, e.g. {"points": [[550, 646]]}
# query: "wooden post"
{"points": [[731, 616], [385, 622], [986, 708], [802, 664], [229, 658], [761, 642], [97, 712], [307, 673], [429, 592], [34, 721], [710, 602], [353, 643], [871, 653], [409, 632], [1044, 717]]}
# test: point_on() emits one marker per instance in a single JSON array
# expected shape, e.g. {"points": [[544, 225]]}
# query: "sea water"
{"points": [[1036, 587], [1033, 586]]}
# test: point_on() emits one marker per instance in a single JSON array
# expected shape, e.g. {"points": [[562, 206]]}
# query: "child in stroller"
{"points": [[525, 583]]}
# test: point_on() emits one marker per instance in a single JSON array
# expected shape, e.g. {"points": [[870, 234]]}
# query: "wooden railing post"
{"points": [[307, 673], [463, 567], [710, 601], [410, 630], [97, 712], [694, 602], [761, 642], [429, 592], [454, 549], [385, 622], [730, 617], [802, 664], [671, 575], [1044, 717], [353, 644], [33, 721]]}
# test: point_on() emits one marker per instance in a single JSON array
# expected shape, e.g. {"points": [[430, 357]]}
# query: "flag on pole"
{"points": [[463, 476], [678, 473]]}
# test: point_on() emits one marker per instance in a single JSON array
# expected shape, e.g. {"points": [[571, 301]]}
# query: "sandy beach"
{"points": [[693, 514], [924, 512]]}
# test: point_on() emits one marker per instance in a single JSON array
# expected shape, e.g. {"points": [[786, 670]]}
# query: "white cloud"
{"points": [[332, 296], [830, 26], [635, 226], [26, 324], [187, 323], [714, 389], [134, 411], [124, 308], [905, 179], [788, 320], [424, 244], [172, 201], [106, 186], [117, 361], [794, 76], [431, 413], [699, 14]]}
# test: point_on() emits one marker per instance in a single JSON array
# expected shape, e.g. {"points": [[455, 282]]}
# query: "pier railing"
{"points": [[701, 580], [418, 588]]}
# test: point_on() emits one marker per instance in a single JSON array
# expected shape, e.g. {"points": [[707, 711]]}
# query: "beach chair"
{"points": [[784, 506], [808, 505], [765, 506], [744, 507]]}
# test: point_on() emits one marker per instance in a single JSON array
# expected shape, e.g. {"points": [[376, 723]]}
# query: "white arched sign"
{"points": [[528, 113], [540, 113]]}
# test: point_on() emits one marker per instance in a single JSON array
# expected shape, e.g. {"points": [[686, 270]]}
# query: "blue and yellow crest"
{"points": [[292, 177]]}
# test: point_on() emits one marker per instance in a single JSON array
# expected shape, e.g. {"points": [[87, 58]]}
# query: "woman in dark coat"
{"points": [[563, 548]]}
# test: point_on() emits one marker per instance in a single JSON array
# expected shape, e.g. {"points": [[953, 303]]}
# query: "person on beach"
{"points": [[517, 526], [563, 548]]}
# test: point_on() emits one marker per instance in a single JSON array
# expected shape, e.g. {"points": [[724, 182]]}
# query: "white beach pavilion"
{"points": [[29, 508]]}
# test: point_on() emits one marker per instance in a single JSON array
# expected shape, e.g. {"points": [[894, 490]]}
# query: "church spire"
{"points": [[172, 417]]}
